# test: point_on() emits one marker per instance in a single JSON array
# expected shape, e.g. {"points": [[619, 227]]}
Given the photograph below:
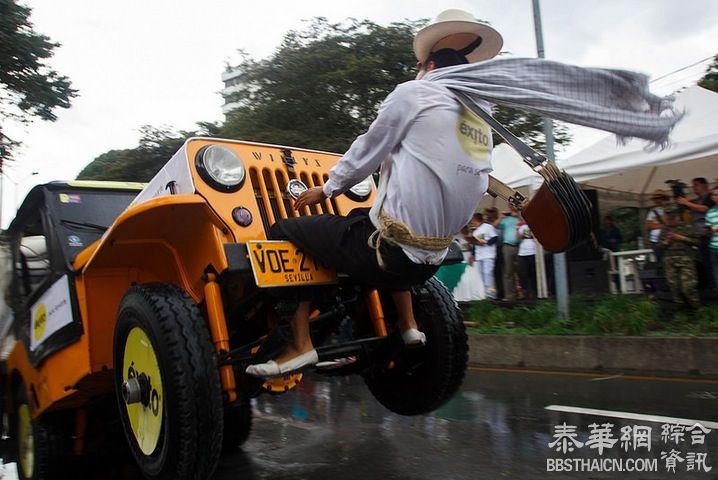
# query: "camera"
{"points": [[678, 188]]}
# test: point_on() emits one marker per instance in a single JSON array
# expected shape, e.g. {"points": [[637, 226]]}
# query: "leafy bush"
{"points": [[623, 315], [611, 315], [707, 319]]}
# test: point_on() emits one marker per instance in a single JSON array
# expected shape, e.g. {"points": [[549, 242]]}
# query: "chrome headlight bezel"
{"points": [[208, 161], [361, 191]]}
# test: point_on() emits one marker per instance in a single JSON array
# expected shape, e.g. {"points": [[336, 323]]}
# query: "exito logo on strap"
{"points": [[40, 322], [474, 135]]}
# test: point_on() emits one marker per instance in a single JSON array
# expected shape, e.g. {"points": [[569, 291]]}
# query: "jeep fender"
{"points": [[170, 239]]}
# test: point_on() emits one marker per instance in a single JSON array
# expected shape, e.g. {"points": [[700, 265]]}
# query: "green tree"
{"points": [[323, 86], [29, 88], [710, 79], [156, 147]]}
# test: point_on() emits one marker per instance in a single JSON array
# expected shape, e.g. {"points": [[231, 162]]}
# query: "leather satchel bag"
{"points": [[559, 213]]}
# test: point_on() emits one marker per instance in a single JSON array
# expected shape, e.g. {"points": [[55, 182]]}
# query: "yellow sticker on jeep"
{"points": [[40, 322], [282, 264]]}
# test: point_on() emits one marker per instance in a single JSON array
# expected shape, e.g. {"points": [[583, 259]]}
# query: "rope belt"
{"points": [[395, 232]]}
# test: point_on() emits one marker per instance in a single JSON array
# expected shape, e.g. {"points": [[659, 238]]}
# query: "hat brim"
{"points": [[429, 36]]}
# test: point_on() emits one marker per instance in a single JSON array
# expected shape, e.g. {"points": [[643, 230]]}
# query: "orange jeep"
{"points": [[142, 309]]}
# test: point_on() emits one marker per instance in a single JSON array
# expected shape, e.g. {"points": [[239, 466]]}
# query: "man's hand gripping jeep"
{"points": [[158, 303]]}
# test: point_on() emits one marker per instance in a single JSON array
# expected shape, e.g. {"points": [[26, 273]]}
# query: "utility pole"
{"points": [[559, 259]]}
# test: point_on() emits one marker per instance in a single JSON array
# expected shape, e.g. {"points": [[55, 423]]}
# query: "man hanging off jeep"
{"points": [[432, 177], [435, 160]]}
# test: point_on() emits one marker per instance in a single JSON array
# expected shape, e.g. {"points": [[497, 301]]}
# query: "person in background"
{"points": [[509, 251], [678, 241], [526, 259], [712, 226], [492, 216], [485, 238], [470, 286], [467, 249], [655, 221], [610, 236], [698, 207]]}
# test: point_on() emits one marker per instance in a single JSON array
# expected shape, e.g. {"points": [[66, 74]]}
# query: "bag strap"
{"points": [[659, 218]]}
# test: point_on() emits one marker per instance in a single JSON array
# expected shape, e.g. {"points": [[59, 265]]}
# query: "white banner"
{"points": [[50, 313], [174, 178]]}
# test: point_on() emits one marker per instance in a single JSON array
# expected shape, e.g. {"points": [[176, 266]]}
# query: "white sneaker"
{"points": [[273, 369], [413, 338]]}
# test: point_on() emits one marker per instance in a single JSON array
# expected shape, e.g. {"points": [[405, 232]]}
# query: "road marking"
{"points": [[612, 377], [594, 375], [630, 416]]}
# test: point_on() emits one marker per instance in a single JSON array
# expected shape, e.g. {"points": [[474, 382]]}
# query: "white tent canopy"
{"points": [[629, 168]]}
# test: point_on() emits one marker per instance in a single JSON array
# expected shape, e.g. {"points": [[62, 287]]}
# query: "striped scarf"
{"points": [[617, 101]]}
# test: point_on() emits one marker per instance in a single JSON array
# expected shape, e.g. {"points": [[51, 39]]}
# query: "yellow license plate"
{"points": [[279, 264]]}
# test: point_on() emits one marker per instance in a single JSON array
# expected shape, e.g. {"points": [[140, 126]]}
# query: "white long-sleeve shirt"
{"points": [[435, 157], [485, 232]]}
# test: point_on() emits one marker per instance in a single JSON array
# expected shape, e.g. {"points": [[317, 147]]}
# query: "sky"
{"points": [[159, 62]]}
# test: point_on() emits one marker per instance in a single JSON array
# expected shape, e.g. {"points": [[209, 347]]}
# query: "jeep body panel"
{"points": [[176, 230], [45, 344]]}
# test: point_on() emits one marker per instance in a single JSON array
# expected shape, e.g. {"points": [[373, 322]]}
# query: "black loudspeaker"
{"points": [[588, 277], [588, 250], [653, 278]]}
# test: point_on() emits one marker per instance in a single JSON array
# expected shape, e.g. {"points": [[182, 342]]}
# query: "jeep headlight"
{"points": [[361, 190], [220, 167]]}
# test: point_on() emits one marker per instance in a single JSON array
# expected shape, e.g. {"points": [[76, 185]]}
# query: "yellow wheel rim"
{"points": [[26, 442], [145, 419]]}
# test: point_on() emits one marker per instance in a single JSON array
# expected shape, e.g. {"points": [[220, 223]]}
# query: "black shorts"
{"points": [[341, 242]]}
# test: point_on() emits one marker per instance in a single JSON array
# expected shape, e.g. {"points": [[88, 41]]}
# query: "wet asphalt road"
{"points": [[497, 426]]}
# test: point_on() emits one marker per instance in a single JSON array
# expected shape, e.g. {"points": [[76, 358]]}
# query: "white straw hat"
{"points": [[456, 29]]}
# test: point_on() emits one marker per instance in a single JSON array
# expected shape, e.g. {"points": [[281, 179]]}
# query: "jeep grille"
{"points": [[270, 191]]}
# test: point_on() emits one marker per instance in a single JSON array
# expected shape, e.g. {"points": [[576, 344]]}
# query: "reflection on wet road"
{"points": [[497, 426]]}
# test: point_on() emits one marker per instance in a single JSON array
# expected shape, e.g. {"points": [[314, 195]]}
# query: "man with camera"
{"points": [[678, 242], [698, 208]]}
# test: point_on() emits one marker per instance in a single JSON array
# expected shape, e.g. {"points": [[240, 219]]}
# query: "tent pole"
{"points": [[541, 283], [559, 259]]}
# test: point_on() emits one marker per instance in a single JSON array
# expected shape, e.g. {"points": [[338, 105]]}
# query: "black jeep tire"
{"points": [[237, 425], [189, 438], [422, 379], [50, 446]]}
